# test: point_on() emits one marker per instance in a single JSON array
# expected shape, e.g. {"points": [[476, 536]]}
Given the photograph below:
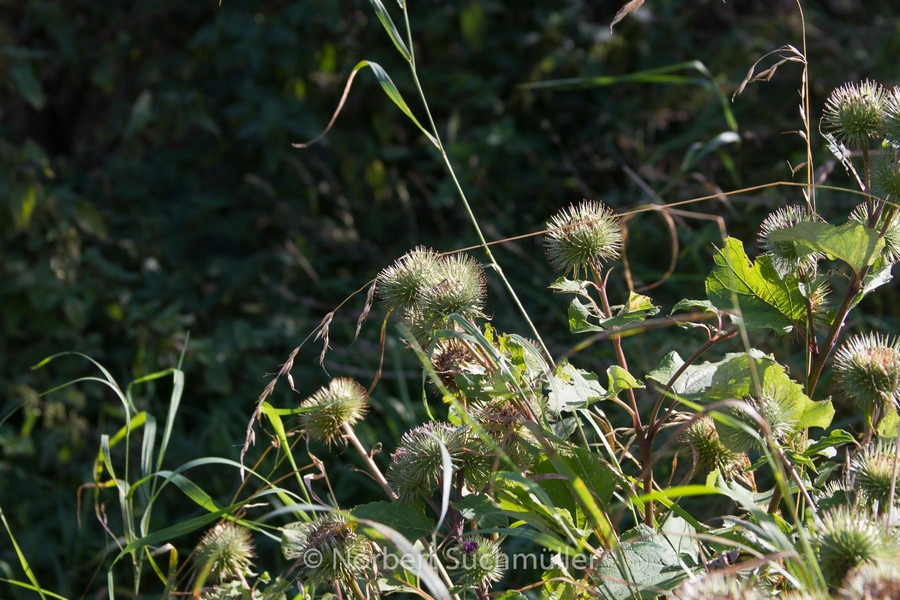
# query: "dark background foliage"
{"points": [[149, 188]]}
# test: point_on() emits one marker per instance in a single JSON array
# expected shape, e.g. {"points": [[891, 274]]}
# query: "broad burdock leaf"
{"points": [[852, 243], [572, 388], [411, 522], [643, 566], [627, 9], [765, 299], [620, 379], [636, 309]]}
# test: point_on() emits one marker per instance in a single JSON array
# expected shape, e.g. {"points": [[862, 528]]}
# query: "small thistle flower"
{"points": [[891, 117], [879, 581], [711, 453], [416, 466], [582, 237], [884, 171], [717, 586], [873, 469], [775, 407], [784, 256], [226, 551], [867, 371], [400, 285], [460, 290], [847, 539], [477, 561], [853, 113], [342, 402], [327, 549], [891, 251]]}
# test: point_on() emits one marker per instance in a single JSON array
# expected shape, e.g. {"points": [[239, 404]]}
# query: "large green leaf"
{"points": [[411, 522], [765, 298], [646, 564], [853, 243], [572, 388], [636, 309]]}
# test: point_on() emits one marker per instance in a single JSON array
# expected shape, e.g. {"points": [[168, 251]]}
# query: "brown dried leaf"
{"points": [[629, 8], [370, 296]]}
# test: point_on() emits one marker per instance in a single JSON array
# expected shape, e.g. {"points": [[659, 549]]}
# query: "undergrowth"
{"points": [[536, 477]]}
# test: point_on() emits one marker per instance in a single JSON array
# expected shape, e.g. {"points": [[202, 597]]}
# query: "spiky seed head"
{"points": [[867, 371], [847, 539], [226, 551], [400, 285], [873, 471], [717, 586], [342, 402], [503, 422], [580, 238], [417, 466], [854, 113], [891, 251], [884, 171], [878, 581], [233, 590], [784, 255], [447, 359], [460, 290], [891, 117], [476, 561], [835, 494], [775, 406], [327, 549], [701, 436]]}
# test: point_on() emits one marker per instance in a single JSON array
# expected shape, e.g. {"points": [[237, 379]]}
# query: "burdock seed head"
{"points": [[717, 586], [342, 402], [327, 549], [867, 371], [580, 238], [775, 406], [460, 290], [891, 251], [400, 285], [884, 170], [873, 471], [879, 581], [848, 539], [417, 465], [226, 550], [854, 113], [703, 439], [476, 561], [785, 257], [891, 117]]}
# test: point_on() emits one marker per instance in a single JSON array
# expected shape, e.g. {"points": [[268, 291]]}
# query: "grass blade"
{"points": [[388, 23], [22, 560]]}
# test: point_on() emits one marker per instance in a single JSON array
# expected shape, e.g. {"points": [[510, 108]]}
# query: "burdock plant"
{"points": [[225, 553], [477, 561], [328, 550], [891, 117], [853, 113], [873, 471], [879, 581], [784, 255], [846, 540], [333, 409], [582, 237], [888, 222], [867, 371], [703, 439]]}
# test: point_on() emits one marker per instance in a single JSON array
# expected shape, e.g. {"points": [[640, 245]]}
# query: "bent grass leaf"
{"points": [[765, 299], [388, 23], [852, 243], [389, 88]]}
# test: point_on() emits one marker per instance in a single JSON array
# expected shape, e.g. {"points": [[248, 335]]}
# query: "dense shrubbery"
{"points": [[155, 191]]}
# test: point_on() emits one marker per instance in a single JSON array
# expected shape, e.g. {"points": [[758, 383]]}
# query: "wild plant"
{"points": [[539, 457]]}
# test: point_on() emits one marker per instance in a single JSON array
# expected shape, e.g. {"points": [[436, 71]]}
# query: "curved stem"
{"points": [[373, 468]]}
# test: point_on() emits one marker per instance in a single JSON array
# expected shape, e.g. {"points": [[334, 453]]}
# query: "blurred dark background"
{"points": [[149, 188]]}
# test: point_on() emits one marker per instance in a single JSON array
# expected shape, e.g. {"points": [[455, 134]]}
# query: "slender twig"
{"points": [[373, 468]]}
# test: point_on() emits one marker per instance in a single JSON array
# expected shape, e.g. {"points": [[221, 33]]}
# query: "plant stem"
{"points": [[373, 468], [462, 194], [647, 474], [839, 318]]}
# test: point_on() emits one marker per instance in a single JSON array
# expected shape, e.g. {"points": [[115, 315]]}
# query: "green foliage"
{"points": [[187, 114]]}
